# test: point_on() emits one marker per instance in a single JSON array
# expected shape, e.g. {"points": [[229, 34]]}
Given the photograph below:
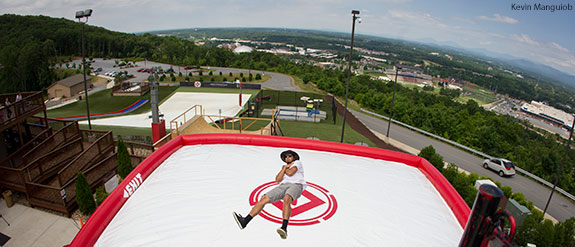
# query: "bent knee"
{"points": [[265, 199], [288, 197]]}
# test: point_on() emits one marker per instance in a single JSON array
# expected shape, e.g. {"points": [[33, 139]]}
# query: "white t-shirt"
{"points": [[298, 177]]}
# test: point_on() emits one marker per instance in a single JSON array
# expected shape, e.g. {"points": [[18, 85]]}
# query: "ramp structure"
{"points": [[193, 121], [184, 193]]}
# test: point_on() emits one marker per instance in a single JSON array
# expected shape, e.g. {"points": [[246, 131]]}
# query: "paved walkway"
{"points": [[33, 227]]}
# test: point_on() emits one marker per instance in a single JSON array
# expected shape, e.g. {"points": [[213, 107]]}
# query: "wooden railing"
{"points": [[47, 155], [63, 198], [47, 164], [138, 151], [162, 141], [31, 103], [102, 146], [15, 160], [69, 133], [183, 118]]}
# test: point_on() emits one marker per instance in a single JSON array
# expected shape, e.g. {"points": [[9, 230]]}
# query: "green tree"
{"points": [[124, 162], [229, 74], [211, 73], [200, 73], [435, 159], [258, 76], [84, 196]]}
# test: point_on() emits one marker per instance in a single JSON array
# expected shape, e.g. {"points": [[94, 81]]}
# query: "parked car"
{"points": [[502, 166]]}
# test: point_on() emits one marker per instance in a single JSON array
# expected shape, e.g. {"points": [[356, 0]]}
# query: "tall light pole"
{"points": [[79, 15], [561, 168], [355, 16], [392, 100]]}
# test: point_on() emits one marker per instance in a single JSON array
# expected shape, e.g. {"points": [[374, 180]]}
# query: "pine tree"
{"points": [[84, 196], [124, 162]]}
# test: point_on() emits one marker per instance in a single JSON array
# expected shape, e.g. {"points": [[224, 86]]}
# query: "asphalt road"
{"points": [[276, 82], [560, 207]]}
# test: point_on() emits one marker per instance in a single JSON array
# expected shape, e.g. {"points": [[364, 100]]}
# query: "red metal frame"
{"points": [[96, 224]]}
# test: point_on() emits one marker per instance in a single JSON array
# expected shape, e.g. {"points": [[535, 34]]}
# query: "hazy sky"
{"points": [[539, 35]]}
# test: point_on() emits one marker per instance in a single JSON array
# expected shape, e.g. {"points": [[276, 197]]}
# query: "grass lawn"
{"points": [[325, 130], [104, 102]]}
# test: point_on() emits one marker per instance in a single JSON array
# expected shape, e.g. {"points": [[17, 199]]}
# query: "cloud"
{"points": [[499, 18], [461, 19], [559, 47], [524, 38]]}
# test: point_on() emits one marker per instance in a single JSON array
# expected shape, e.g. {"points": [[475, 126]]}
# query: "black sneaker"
{"points": [[240, 220], [282, 233]]}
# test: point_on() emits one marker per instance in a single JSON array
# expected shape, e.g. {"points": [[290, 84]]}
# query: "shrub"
{"points": [[101, 194], [435, 159], [84, 196], [507, 191], [124, 162]]}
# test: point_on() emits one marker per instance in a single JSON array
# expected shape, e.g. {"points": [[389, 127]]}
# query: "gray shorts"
{"points": [[278, 193]]}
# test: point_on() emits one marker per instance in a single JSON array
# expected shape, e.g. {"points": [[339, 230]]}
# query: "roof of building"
{"points": [[243, 48], [186, 191], [73, 80]]}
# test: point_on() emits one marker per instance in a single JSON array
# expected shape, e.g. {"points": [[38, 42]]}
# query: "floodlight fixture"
{"points": [[355, 12], [83, 13], [87, 13], [79, 14]]}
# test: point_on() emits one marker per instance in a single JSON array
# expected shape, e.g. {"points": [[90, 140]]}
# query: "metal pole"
{"points": [[348, 74], [561, 168], [392, 100], [85, 84], [154, 99]]}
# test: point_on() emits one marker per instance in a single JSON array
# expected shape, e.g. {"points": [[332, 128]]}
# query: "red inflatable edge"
{"points": [[89, 234]]}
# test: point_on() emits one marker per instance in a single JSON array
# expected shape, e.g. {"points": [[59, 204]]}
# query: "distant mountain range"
{"points": [[536, 70]]}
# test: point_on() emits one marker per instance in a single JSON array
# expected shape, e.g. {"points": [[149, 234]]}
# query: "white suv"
{"points": [[502, 166]]}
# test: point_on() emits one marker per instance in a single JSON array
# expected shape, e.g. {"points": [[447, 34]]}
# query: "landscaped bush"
{"points": [[124, 162], [101, 194], [84, 196]]}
